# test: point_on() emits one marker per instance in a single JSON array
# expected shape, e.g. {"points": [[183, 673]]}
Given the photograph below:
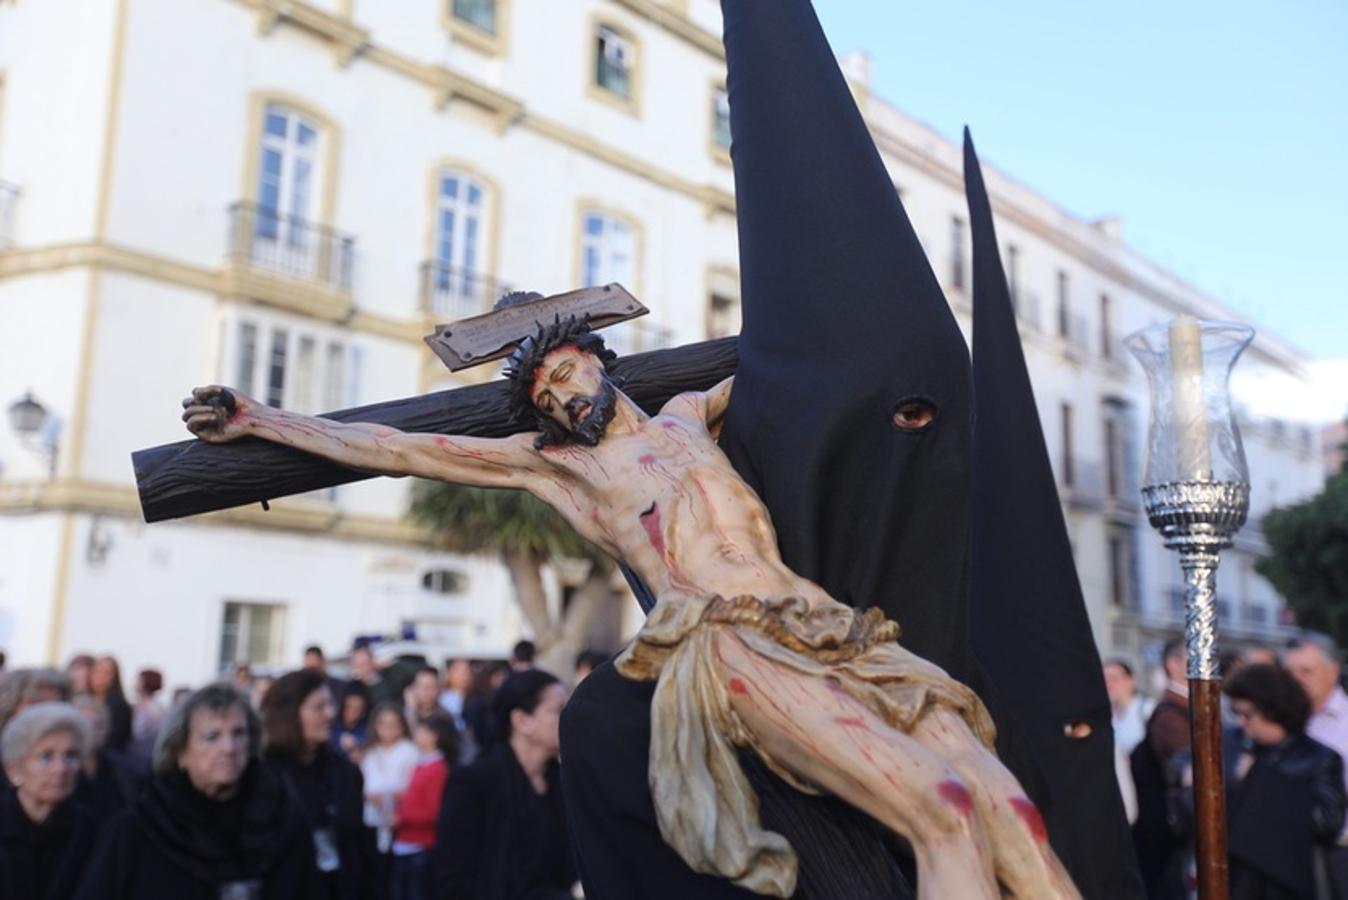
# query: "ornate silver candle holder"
{"points": [[1197, 495], [1198, 519]]}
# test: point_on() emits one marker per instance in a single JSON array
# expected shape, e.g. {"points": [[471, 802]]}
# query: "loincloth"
{"points": [[705, 806]]}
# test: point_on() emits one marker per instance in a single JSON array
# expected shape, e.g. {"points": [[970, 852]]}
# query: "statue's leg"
{"points": [[1024, 862], [823, 737]]}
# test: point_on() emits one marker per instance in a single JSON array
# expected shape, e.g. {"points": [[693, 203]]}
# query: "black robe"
{"points": [[331, 791], [174, 843], [114, 785], [41, 862], [844, 323], [497, 839]]}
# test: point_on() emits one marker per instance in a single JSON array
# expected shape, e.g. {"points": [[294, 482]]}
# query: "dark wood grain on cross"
{"points": [[192, 477]]}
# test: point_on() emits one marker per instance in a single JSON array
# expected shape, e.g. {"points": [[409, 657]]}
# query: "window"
{"points": [[1112, 457], [459, 287], [335, 395], [252, 633], [1068, 474], [481, 14], [1013, 273], [613, 62], [723, 316], [956, 252], [300, 370], [607, 250], [720, 118], [1106, 332], [276, 369], [723, 303], [304, 375], [444, 581], [1121, 562], [1064, 307], [287, 174], [247, 358]]}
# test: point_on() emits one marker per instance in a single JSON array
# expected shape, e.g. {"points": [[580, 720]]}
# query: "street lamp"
{"points": [[1197, 494], [30, 421], [27, 416]]}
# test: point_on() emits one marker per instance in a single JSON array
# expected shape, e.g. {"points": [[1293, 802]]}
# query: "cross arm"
{"points": [[191, 477]]}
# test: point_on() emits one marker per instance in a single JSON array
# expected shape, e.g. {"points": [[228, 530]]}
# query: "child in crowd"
{"points": [[437, 742]]}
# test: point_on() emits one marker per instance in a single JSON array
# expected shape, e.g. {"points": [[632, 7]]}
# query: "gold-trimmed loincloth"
{"points": [[705, 806]]}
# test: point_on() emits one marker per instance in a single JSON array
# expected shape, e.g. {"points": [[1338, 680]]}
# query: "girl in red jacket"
{"points": [[437, 741]]}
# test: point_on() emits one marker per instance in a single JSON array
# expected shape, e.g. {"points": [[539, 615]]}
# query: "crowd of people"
{"points": [[405, 781], [400, 781], [1285, 738]]}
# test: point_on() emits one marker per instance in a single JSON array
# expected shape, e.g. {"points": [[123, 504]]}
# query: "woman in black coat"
{"points": [[108, 781], [297, 713], [502, 828], [44, 836], [213, 823], [1286, 794], [105, 683]]}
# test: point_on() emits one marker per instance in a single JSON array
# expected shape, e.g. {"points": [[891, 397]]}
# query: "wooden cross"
{"points": [[192, 477]]}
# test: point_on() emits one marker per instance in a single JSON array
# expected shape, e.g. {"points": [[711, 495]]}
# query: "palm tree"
{"points": [[526, 534]]}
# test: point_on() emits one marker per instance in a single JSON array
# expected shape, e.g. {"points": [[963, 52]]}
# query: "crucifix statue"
{"points": [[745, 651], [786, 522]]}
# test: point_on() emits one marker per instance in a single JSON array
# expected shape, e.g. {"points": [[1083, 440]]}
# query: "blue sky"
{"points": [[1218, 132]]}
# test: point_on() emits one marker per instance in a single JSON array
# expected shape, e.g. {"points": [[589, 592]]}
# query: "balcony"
{"points": [[1083, 484], [1075, 333], [289, 262], [1026, 304], [1235, 620], [449, 293], [9, 201], [637, 337]]}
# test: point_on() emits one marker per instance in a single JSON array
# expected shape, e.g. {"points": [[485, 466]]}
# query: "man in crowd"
{"points": [[1315, 663], [1168, 728], [364, 671], [522, 657], [314, 659], [1167, 734]]}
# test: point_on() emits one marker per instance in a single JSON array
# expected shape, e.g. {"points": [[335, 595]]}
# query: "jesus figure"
{"points": [[745, 652]]}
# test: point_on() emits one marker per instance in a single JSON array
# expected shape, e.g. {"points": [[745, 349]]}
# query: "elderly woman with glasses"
{"points": [[1286, 798], [214, 822], [43, 836]]}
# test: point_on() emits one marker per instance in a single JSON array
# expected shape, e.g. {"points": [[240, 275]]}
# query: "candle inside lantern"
{"points": [[1191, 422]]}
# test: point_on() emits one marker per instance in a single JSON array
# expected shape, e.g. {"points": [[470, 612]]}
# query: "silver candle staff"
{"points": [[1197, 494]]}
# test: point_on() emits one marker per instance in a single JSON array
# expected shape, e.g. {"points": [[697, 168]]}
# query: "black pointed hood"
{"points": [[843, 322], [1029, 626]]}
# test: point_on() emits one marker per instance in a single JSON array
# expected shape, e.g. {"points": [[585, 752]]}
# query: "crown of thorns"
{"points": [[521, 365]]}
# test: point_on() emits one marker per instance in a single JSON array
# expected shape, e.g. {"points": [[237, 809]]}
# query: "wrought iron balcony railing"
{"points": [[9, 200], [449, 293], [271, 241], [1083, 483], [637, 336]]}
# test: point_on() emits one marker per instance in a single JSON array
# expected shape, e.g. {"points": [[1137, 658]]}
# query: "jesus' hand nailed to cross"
{"points": [[747, 653]]}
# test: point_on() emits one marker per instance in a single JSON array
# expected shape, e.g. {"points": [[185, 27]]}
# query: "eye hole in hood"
{"points": [[914, 414]]}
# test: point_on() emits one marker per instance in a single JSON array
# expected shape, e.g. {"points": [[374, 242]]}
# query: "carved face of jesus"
{"points": [[572, 388]]}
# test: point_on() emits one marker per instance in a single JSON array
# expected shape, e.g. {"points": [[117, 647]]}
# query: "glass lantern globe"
{"points": [[1192, 437], [27, 416]]}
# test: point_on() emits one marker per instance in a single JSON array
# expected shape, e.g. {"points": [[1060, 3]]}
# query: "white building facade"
{"points": [[285, 196]]}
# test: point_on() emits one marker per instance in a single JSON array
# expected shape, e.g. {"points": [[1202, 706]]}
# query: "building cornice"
{"points": [[293, 515], [311, 299], [1102, 262], [678, 24]]}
